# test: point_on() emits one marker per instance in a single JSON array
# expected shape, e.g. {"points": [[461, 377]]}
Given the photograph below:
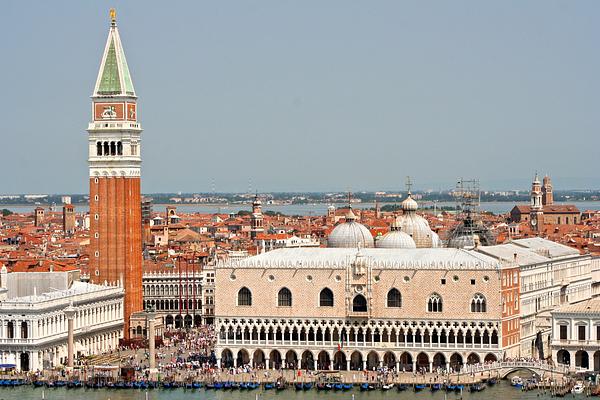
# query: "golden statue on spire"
{"points": [[113, 16]]}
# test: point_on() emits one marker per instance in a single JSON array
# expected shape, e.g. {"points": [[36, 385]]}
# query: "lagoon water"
{"points": [[502, 390]]}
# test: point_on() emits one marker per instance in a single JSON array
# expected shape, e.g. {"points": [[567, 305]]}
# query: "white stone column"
{"points": [[70, 314], [151, 316]]}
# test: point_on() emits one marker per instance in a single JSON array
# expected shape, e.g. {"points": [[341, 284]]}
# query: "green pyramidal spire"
{"points": [[114, 78]]}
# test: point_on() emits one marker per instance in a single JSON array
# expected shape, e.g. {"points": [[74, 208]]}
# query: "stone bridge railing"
{"points": [[504, 367]]}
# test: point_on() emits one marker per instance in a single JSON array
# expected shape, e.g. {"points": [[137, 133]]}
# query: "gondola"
{"points": [[419, 387], [477, 387], [366, 387]]}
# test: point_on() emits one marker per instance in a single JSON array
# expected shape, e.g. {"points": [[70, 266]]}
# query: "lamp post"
{"points": [[70, 313]]}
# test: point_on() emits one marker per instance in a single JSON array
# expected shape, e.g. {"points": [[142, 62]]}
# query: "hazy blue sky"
{"points": [[310, 95]]}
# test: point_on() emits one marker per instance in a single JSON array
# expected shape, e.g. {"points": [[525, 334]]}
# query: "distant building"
{"points": [[542, 210], [68, 219], [182, 293], [38, 216], [256, 219]]}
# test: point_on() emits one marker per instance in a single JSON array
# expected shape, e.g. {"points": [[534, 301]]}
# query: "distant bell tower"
{"points": [[547, 195], [115, 165], [256, 220], [38, 216], [68, 219], [536, 214]]}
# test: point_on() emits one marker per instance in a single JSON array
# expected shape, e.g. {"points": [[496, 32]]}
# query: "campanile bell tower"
{"points": [[115, 166]]}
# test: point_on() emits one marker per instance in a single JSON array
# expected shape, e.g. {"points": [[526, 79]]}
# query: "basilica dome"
{"points": [[396, 239], [415, 225], [435, 240], [350, 234], [463, 241]]}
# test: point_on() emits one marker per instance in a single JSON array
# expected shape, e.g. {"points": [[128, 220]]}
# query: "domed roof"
{"points": [[462, 241], [417, 228], [350, 234], [396, 239], [409, 204], [413, 224], [435, 240]]}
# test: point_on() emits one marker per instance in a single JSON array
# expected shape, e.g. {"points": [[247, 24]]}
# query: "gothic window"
{"points": [[478, 303], [284, 298], [394, 298], [434, 304], [244, 297], [113, 149], [106, 148], [359, 303], [326, 298]]}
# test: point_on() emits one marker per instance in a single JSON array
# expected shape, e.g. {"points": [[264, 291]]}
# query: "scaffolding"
{"points": [[471, 231]]}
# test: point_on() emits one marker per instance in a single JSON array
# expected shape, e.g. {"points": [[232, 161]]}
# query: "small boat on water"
{"points": [[402, 387], [492, 381], [196, 385], [269, 385], [419, 387], [387, 386], [578, 388], [477, 387], [436, 386], [366, 387], [280, 385], [517, 382], [347, 386], [458, 388]]}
